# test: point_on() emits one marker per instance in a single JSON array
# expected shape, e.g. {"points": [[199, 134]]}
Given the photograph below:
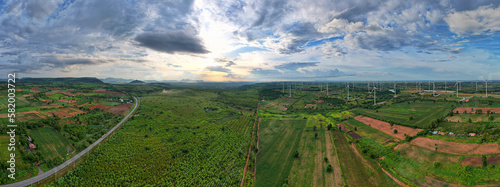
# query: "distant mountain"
{"points": [[116, 80], [63, 79], [137, 82]]}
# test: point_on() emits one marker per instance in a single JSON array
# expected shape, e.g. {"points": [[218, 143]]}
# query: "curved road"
{"points": [[72, 159]]}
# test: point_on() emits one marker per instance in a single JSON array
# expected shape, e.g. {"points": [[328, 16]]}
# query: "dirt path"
{"points": [[394, 178], [255, 165], [334, 179], [250, 146]]}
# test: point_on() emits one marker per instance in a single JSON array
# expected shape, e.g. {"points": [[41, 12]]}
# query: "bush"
{"points": [[326, 159], [295, 154], [484, 160], [329, 168], [437, 165], [395, 131]]}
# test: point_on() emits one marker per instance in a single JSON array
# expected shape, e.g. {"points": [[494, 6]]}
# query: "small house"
{"points": [[32, 146], [472, 134]]}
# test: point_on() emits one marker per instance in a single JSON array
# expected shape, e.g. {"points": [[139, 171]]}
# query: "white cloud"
{"points": [[485, 20]]}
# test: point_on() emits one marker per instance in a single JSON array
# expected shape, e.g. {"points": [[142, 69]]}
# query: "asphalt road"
{"points": [[68, 162]]}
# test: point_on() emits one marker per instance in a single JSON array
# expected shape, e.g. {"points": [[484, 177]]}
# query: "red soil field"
{"points": [[455, 147], [66, 112], [120, 109], [308, 105], [99, 106], [317, 101], [100, 90], [477, 161], [468, 109], [386, 127], [67, 101], [35, 90], [471, 161], [83, 104], [69, 93], [352, 134]]}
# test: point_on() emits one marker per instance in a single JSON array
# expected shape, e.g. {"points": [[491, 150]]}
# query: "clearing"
{"points": [[386, 127], [456, 148]]}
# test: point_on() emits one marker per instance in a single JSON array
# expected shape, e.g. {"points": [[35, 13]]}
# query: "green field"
{"points": [[278, 139], [423, 112], [369, 132], [357, 170], [50, 142]]}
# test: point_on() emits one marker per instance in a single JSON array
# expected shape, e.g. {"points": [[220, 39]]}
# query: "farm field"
{"points": [[456, 148], [474, 117], [175, 135], [310, 168], [279, 138], [423, 112], [51, 143], [369, 132], [281, 104], [357, 170], [385, 127]]}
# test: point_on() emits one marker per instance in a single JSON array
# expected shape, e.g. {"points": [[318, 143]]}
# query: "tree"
{"points": [[491, 118], [295, 154], [355, 128], [410, 118], [469, 120], [329, 126], [329, 168], [484, 160], [395, 131], [314, 127], [315, 135], [488, 112], [326, 159]]}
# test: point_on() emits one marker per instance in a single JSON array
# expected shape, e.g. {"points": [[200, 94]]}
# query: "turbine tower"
{"points": [[456, 85], [326, 88], [374, 95], [347, 91], [395, 90]]}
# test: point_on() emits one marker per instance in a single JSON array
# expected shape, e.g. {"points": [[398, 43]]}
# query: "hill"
{"points": [[137, 82], [63, 79]]}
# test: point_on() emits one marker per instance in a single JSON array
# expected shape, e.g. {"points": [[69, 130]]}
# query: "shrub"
{"points": [[326, 159], [295, 154], [329, 168], [437, 165], [484, 160], [395, 131]]}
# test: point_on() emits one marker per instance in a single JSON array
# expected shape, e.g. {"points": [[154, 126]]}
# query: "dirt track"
{"points": [[456, 148], [386, 127]]}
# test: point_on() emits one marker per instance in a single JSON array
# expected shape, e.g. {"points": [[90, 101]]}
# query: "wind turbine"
{"points": [[456, 85], [395, 90], [433, 89], [444, 86], [347, 91], [374, 95], [326, 88], [283, 88], [369, 87]]}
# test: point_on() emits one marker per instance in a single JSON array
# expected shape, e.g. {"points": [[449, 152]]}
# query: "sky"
{"points": [[254, 40]]}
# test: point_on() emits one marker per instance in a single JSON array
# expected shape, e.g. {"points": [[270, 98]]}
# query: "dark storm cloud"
{"points": [[171, 42]]}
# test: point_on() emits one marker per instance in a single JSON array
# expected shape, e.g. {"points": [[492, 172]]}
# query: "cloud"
{"points": [[485, 20], [225, 61], [295, 65], [171, 42], [295, 71], [218, 69]]}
